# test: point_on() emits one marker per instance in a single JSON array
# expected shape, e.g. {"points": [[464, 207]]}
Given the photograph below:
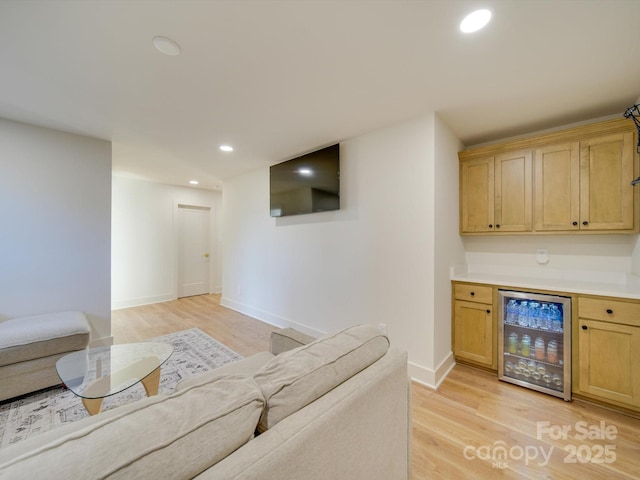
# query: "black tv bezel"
{"points": [[293, 165]]}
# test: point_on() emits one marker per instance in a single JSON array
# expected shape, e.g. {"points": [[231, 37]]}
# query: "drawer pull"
{"points": [[488, 311], [472, 293], [609, 311], [584, 327]]}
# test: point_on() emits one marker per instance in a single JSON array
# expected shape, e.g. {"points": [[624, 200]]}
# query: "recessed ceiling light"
{"points": [[475, 21], [194, 182], [226, 148], [166, 45]]}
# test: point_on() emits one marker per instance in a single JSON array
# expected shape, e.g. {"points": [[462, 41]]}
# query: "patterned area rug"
{"points": [[194, 353]]}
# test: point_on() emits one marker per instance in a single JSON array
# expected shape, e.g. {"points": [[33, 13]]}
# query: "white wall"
{"points": [[607, 257], [144, 240], [449, 249], [370, 262], [55, 208]]}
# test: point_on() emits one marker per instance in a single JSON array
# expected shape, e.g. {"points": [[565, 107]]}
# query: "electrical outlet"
{"points": [[542, 256]]}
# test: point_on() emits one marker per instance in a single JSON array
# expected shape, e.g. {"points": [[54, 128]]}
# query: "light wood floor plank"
{"points": [[470, 410]]}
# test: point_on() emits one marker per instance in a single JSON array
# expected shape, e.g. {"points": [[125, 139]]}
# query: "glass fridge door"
{"points": [[534, 345]]}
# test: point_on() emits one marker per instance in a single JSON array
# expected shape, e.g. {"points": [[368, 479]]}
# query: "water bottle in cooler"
{"points": [[523, 314], [512, 312], [544, 318], [534, 313], [556, 318]]}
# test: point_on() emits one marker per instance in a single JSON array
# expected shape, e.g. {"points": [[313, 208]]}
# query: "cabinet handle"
{"points": [[575, 224], [585, 223], [497, 226], [488, 311], [490, 225], [584, 327], [609, 311], [472, 293]]}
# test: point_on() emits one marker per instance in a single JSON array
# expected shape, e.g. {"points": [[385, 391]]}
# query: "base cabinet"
{"points": [[609, 351], [605, 341], [473, 325]]}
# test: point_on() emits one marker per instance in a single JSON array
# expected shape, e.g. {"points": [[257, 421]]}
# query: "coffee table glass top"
{"points": [[104, 371]]}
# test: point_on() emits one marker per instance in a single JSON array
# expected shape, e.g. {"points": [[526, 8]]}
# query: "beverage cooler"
{"points": [[534, 345]]}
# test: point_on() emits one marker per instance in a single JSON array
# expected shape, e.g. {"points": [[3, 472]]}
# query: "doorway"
{"points": [[193, 250]]}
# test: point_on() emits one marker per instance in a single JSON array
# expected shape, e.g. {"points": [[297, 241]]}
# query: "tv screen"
{"points": [[306, 184]]}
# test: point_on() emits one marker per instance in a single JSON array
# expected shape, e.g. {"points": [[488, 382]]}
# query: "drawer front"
{"points": [[474, 293], [614, 311]]}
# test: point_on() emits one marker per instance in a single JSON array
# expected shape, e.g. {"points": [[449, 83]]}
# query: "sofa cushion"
{"points": [[247, 366], [296, 378], [26, 338], [176, 436]]}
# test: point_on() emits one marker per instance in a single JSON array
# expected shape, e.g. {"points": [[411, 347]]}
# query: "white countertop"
{"points": [[588, 283]]}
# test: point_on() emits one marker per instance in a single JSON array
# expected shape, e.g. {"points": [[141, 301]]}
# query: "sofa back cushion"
{"points": [[296, 378], [176, 436]]}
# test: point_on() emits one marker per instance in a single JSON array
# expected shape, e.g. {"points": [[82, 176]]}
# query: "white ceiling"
{"points": [[280, 78]]}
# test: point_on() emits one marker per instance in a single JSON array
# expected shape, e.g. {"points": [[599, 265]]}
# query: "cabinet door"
{"points": [[606, 171], [474, 332], [513, 192], [609, 361], [476, 195], [557, 188]]}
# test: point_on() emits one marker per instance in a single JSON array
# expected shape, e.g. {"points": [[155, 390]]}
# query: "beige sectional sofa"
{"points": [[336, 408], [31, 346]]}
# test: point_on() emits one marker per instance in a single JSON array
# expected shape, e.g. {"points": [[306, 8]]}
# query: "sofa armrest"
{"points": [[288, 339]]}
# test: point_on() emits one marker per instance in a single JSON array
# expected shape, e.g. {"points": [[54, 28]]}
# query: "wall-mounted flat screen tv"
{"points": [[306, 184]]}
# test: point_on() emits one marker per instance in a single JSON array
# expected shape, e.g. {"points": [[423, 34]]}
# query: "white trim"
{"points": [[213, 244], [267, 317], [136, 302], [431, 378]]}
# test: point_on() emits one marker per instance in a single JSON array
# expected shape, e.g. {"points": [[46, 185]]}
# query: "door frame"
{"points": [[214, 254]]}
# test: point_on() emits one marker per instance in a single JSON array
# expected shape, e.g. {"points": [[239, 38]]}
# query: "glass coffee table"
{"points": [[96, 373]]}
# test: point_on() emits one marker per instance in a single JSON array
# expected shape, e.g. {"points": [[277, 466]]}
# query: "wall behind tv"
{"points": [[373, 261], [55, 224]]}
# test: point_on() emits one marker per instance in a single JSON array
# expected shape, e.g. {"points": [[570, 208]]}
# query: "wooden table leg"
{"points": [[93, 405], [151, 382], [100, 387]]}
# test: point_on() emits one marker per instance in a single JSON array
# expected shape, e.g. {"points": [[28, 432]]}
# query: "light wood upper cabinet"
{"points": [[606, 194], [513, 192], [496, 193], [557, 187], [571, 181], [476, 204]]}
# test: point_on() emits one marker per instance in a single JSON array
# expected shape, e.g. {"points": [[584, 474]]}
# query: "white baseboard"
{"points": [[136, 302], [431, 378], [269, 318]]}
